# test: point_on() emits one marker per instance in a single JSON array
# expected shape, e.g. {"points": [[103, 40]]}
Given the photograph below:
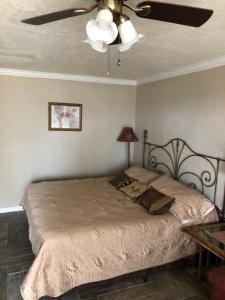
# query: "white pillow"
{"points": [[190, 206], [141, 174]]}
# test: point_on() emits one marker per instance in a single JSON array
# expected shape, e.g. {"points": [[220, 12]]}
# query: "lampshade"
{"points": [[128, 35], [103, 28], [127, 135], [97, 45]]}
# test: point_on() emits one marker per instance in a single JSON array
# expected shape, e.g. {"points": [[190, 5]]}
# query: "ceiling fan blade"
{"points": [[58, 15], [173, 13]]}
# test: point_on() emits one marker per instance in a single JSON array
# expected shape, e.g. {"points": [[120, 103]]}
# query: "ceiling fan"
{"points": [[113, 27]]}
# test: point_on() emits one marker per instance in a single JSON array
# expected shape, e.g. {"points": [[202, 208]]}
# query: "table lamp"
{"points": [[127, 135]]}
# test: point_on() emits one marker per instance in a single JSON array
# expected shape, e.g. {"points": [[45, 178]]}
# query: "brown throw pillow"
{"points": [[155, 202], [135, 189], [121, 180]]}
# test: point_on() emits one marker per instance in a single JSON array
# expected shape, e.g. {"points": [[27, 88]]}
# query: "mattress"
{"points": [[85, 230]]}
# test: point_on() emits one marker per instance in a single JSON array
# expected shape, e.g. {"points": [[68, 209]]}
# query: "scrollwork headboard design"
{"points": [[177, 159]]}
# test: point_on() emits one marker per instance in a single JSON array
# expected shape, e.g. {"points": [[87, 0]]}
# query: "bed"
{"points": [[85, 230]]}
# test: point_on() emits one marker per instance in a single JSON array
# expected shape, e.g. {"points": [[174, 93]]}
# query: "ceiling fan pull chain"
{"points": [[108, 63], [119, 60], [119, 53]]}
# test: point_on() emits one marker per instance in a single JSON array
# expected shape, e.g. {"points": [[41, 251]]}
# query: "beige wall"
{"points": [[28, 151], [191, 107]]}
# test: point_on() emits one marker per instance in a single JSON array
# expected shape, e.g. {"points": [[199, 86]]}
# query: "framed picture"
{"points": [[64, 116]]}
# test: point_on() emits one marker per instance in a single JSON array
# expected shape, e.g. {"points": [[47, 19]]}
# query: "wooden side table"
{"points": [[210, 237]]}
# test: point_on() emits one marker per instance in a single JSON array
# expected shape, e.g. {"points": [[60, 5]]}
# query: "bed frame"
{"points": [[177, 159]]}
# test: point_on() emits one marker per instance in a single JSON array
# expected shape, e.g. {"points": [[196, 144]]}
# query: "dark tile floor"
{"points": [[16, 257]]}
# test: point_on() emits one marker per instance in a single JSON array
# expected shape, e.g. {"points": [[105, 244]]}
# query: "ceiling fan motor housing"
{"points": [[114, 5]]}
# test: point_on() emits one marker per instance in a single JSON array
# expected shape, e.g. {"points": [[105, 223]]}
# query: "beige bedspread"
{"points": [[85, 230]]}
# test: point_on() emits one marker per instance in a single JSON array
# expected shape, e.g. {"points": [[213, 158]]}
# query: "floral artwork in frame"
{"points": [[64, 116]]}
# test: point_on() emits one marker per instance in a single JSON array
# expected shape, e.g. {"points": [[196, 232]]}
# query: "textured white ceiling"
{"points": [[58, 47]]}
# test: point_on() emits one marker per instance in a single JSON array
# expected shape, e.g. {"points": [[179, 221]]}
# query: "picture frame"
{"points": [[64, 116]]}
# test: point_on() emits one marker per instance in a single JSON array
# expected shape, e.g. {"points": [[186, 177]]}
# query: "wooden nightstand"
{"points": [[210, 237]]}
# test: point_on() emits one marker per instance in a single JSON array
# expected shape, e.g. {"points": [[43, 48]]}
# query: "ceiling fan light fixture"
{"points": [[97, 45], [104, 18], [128, 34], [125, 47], [97, 34], [103, 28]]}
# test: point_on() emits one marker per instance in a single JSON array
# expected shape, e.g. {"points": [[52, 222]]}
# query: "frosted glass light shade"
{"points": [[128, 35], [95, 33], [123, 48], [103, 28], [97, 45], [104, 18]]}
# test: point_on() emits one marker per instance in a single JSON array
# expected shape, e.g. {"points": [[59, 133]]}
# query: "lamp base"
{"points": [[128, 154]]}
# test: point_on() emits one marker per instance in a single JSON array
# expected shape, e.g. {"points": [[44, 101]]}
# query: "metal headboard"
{"points": [[178, 160]]}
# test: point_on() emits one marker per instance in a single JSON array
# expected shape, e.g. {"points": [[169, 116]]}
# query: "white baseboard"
{"points": [[10, 209]]}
